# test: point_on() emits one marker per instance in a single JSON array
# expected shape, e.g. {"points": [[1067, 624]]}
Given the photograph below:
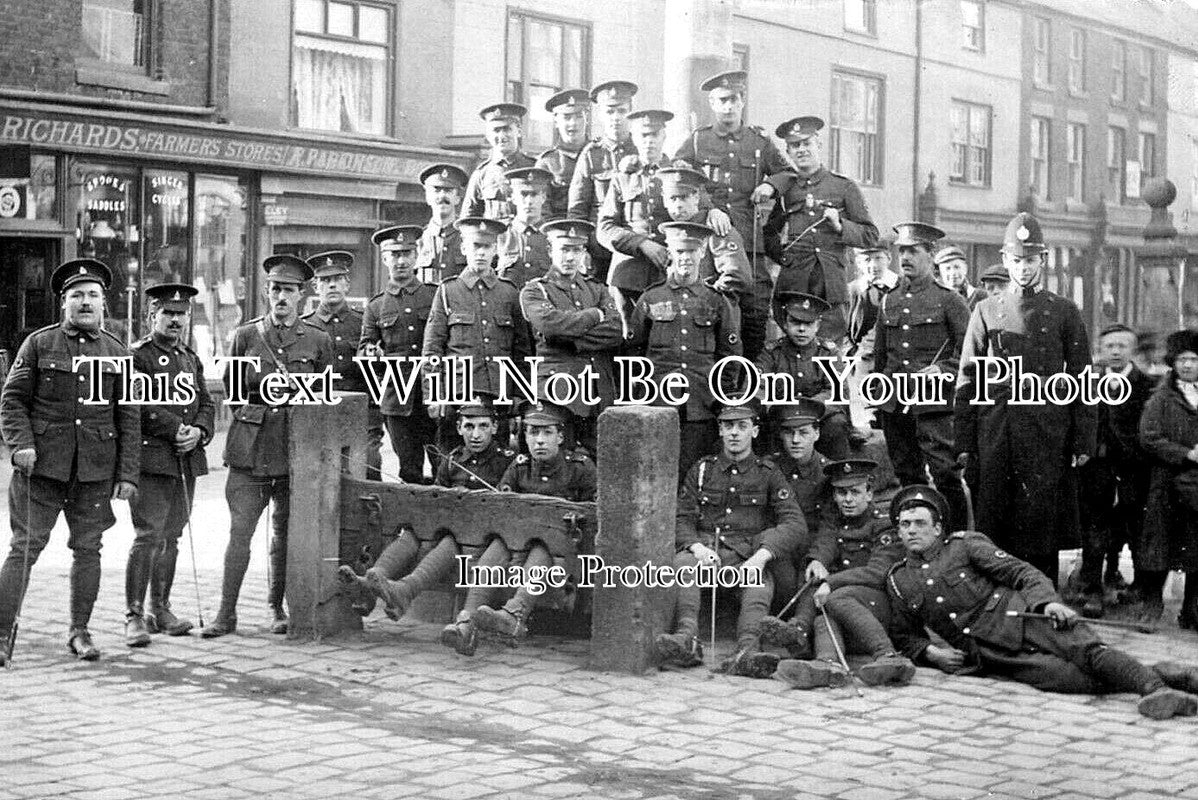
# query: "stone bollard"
{"points": [[319, 434], [638, 480]]}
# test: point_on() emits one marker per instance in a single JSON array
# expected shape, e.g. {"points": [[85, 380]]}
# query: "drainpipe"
{"points": [[918, 109], [213, 39]]}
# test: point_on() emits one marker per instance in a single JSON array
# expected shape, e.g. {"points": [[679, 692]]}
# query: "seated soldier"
{"points": [[798, 430], [736, 509], [548, 469], [478, 463], [793, 355], [977, 598]]}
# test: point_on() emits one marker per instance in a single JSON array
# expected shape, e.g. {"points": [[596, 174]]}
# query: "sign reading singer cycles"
{"points": [[205, 145]]}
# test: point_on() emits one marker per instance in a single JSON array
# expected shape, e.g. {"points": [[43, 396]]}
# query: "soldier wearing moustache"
{"points": [[440, 244], [257, 444], [393, 325], [69, 457], [487, 190], [172, 455], [343, 324], [523, 250], [571, 111]]}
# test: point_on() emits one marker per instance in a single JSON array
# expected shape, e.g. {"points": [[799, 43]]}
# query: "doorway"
{"points": [[25, 301]]}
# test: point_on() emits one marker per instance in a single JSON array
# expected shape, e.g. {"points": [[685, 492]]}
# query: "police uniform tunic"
{"points": [[395, 319], [568, 475], [440, 256], [344, 327], [561, 163], [813, 263], [523, 253], [629, 216], [487, 191], [468, 471]]}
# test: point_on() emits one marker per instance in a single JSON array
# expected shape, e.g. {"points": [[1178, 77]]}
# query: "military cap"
{"points": [[78, 271], [478, 407], [286, 268], [544, 414], [916, 495], [398, 237], [849, 472], [650, 119], [567, 100], [480, 226], [1178, 342], [997, 273], [506, 112], [611, 93], [883, 245], [685, 233], [331, 262], [1117, 327], [578, 230], [803, 307], [947, 254], [172, 296], [736, 79], [1023, 236], [674, 178], [806, 411], [916, 233], [449, 176], [746, 411], [534, 176], [799, 128]]}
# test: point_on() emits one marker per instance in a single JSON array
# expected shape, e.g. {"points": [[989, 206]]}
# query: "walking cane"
{"points": [[795, 599], [711, 647], [840, 655], [1139, 627], [191, 539], [11, 641]]}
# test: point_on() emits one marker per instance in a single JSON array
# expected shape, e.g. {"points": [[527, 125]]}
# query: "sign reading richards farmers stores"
{"points": [[136, 136]]}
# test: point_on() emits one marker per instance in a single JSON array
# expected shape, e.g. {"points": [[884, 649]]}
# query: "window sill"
{"points": [[1074, 205], [1079, 93], [1044, 87], [109, 77], [963, 185], [859, 32]]}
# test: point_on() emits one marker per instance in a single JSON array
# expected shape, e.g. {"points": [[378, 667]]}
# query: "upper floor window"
{"points": [[1040, 151], [1147, 76], [341, 58], [544, 56], [1075, 156], [1077, 60], [1118, 70], [1116, 148], [1042, 66], [116, 32], [861, 16], [973, 25], [1147, 157], [855, 132], [971, 144]]}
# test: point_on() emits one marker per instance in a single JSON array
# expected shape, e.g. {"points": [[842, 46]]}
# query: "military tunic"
{"points": [[440, 255], [593, 175], [395, 319], [808, 483], [867, 545], [487, 191], [344, 327], [465, 471], [629, 216], [523, 253], [784, 357], [568, 475], [814, 263], [561, 163]]}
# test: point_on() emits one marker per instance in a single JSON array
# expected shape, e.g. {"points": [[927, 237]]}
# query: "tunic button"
{"points": [[82, 379], [280, 350], [683, 366], [340, 358], [727, 511], [906, 344], [965, 631], [930, 581], [683, 331], [411, 327], [952, 615], [846, 562], [407, 311], [483, 303], [905, 363], [337, 339], [906, 311], [545, 477], [962, 574], [905, 327], [923, 566], [80, 340], [683, 347], [732, 488], [908, 295], [78, 422], [817, 249], [939, 599]]}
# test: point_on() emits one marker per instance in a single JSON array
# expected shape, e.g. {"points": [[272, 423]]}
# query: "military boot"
{"points": [[678, 650], [223, 625], [791, 635], [136, 634], [80, 643], [1165, 703], [508, 621], [398, 595], [280, 623], [361, 598], [887, 670], [1092, 608], [162, 620], [1178, 676], [460, 635], [814, 674], [750, 664]]}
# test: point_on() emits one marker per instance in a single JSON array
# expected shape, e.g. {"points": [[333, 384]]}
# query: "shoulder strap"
{"points": [[261, 327]]}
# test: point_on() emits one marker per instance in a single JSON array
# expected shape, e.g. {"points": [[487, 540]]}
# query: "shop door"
{"points": [[25, 302]]}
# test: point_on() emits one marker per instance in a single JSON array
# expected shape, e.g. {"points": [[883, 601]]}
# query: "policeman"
{"points": [[798, 430], [736, 509], [953, 269], [973, 595], [682, 325], [343, 323], [735, 158], [257, 444], [548, 469], [995, 279], [816, 215], [440, 244], [174, 435], [920, 328], [725, 265], [523, 251], [794, 356], [487, 192], [597, 163], [1027, 454], [571, 110], [575, 325], [68, 455], [393, 325]]}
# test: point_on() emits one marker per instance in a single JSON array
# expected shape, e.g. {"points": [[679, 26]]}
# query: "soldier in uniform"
{"points": [[1027, 454], [735, 158], [725, 265], [683, 325], [487, 193], [172, 455], [571, 110], [597, 163], [393, 325], [523, 251], [793, 355], [396, 577], [343, 324], [817, 214], [798, 430], [257, 443], [547, 469], [953, 270], [973, 595], [855, 547], [919, 332], [995, 280], [69, 457], [736, 509], [441, 255], [575, 325]]}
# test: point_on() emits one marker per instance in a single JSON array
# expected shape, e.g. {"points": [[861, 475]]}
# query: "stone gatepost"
{"points": [[1161, 263]]}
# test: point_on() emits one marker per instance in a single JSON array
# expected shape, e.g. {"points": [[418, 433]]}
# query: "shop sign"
{"points": [[12, 201], [274, 214]]}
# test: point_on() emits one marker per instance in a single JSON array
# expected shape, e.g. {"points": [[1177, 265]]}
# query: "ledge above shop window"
{"points": [[93, 72]]}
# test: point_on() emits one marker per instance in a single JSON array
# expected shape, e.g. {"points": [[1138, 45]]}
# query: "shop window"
{"points": [[117, 32], [340, 65], [28, 186], [219, 261], [107, 229], [544, 56]]}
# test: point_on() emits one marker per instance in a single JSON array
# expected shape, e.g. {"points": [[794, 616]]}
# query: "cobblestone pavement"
{"points": [[392, 714]]}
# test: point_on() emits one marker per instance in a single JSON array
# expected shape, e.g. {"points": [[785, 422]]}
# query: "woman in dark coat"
{"points": [[1169, 434]]}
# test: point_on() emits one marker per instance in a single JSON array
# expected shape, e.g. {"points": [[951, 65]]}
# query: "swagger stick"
{"points": [[11, 642], [840, 654], [1139, 627], [191, 538]]}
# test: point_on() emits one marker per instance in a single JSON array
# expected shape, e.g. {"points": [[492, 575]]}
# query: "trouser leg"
{"points": [[524, 601], [687, 599], [409, 435], [246, 496], [33, 508], [89, 513], [754, 604], [1113, 669], [280, 513], [398, 557], [374, 443], [139, 567], [934, 434], [432, 569], [496, 555], [862, 613]]}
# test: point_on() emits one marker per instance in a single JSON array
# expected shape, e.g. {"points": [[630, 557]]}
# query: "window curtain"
{"points": [[339, 86]]}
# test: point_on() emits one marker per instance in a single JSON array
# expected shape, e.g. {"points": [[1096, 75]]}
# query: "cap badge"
{"points": [[178, 296], [848, 467], [806, 304], [1022, 233], [328, 262], [83, 270]]}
